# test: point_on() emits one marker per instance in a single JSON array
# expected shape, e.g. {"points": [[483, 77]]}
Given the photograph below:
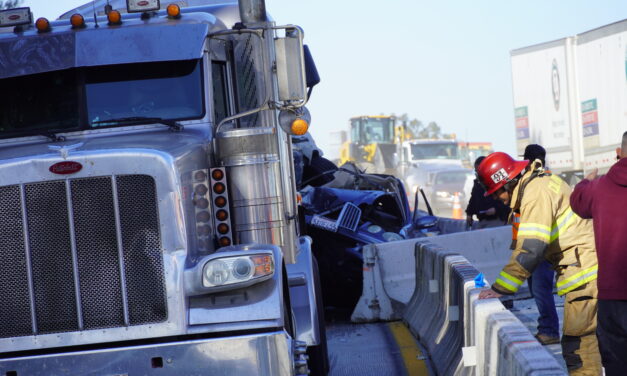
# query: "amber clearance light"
{"points": [[174, 11], [299, 127], [114, 17], [42, 24], [77, 21], [221, 207]]}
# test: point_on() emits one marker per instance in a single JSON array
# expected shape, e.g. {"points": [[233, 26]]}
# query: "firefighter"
{"points": [[548, 229]]}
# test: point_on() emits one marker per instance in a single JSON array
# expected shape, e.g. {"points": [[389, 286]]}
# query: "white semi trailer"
{"points": [[570, 96]]}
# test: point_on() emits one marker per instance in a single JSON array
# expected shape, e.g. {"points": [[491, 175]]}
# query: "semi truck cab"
{"points": [[148, 199]]}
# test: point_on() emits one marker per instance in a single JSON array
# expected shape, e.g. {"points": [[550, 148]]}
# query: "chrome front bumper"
{"points": [[266, 354]]}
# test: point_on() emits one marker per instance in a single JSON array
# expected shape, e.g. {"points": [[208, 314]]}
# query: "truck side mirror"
{"points": [[290, 66], [311, 72]]}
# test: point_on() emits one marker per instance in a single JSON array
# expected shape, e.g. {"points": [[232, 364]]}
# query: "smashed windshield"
{"points": [[85, 98], [434, 151]]}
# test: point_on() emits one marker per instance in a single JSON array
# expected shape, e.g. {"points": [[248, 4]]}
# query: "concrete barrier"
{"points": [[390, 273], [487, 249], [429, 283], [464, 335]]}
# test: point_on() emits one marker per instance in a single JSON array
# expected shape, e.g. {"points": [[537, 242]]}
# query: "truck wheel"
{"points": [[319, 355]]}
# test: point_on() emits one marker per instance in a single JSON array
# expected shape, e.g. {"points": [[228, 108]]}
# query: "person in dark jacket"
{"points": [[489, 212], [542, 279], [604, 199]]}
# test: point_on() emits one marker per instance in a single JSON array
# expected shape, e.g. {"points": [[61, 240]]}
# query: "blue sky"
{"points": [[442, 61]]}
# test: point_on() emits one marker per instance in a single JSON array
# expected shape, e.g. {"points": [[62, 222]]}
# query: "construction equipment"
{"points": [[374, 143], [148, 200], [470, 151]]}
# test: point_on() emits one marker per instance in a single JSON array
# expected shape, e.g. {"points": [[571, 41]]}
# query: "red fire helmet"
{"points": [[497, 169]]}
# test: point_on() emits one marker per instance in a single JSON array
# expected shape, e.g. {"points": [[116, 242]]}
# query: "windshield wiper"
{"points": [[175, 126], [52, 136]]}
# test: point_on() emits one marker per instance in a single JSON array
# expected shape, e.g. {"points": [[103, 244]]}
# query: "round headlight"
{"points": [[242, 268], [217, 272]]}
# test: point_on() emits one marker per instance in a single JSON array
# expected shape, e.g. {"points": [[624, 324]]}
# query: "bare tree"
{"points": [[418, 129], [8, 4]]}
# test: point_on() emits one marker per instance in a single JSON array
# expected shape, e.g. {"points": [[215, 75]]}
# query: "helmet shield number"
{"points": [[500, 175]]}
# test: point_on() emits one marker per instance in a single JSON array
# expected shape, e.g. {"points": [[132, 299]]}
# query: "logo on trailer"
{"points": [[555, 85], [65, 168]]}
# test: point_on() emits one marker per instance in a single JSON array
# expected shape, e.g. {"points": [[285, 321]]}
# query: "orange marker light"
{"points": [[201, 189], [220, 201], [42, 25], [77, 21], [299, 127], [217, 174], [200, 176], [174, 11], [224, 241], [222, 215], [219, 188], [223, 228], [203, 216], [114, 17]]}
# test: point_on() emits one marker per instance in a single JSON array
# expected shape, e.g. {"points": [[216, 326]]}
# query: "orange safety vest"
{"points": [[515, 218]]}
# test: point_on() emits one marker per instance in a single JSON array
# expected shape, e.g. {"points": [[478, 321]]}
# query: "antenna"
{"points": [[93, 5]]}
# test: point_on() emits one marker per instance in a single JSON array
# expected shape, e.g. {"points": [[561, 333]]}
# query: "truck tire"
{"points": [[319, 355]]}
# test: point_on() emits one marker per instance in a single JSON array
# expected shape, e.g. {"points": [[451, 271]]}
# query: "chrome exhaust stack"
{"points": [[252, 11]]}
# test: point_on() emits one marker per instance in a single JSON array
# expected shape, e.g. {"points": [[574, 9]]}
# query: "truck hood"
{"points": [[618, 173], [437, 163], [171, 144]]}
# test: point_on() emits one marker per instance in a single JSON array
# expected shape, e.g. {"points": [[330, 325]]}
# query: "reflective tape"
{"points": [[577, 280], [562, 223], [508, 282], [535, 229]]}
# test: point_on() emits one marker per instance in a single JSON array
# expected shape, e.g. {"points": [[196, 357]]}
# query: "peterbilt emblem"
{"points": [[14, 17], [65, 167], [142, 3]]}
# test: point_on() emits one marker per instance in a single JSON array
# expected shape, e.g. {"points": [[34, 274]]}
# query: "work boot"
{"points": [[545, 339]]}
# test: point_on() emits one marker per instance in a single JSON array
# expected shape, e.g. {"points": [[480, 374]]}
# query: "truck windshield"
{"points": [[453, 177], [85, 98], [434, 151]]}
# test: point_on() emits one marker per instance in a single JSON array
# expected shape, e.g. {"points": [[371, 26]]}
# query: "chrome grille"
{"points": [[349, 216], [80, 254], [97, 253], [51, 257], [16, 316], [142, 248]]}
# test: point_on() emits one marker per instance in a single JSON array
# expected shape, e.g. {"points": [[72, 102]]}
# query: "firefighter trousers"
{"points": [[579, 342]]}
